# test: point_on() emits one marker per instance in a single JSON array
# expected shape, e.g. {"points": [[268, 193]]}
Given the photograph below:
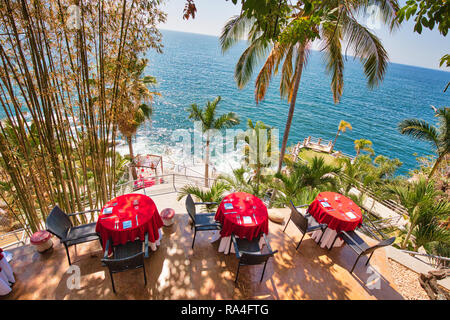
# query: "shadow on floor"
{"points": [[175, 271]]}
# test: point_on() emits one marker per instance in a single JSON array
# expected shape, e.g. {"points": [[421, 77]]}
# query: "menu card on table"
{"points": [[350, 215], [228, 206], [247, 220], [325, 204], [126, 224]]}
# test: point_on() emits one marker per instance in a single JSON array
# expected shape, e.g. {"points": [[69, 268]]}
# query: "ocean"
{"points": [[193, 69]]}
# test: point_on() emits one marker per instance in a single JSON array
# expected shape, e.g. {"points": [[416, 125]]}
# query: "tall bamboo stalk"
{"points": [[57, 128]]}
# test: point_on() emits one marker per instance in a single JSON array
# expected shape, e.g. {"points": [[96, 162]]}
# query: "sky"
{"points": [[404, 46]]}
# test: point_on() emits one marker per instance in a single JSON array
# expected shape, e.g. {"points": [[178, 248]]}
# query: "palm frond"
{"points": [[268, 70], [286, 73], [419, 129], [249, 60], [334, 60], [195, 112], [366, 46], [234, 30], [226, 120], [387, 9]]}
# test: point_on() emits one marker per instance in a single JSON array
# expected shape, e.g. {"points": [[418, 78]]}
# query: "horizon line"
{"points": [[399, 63]]}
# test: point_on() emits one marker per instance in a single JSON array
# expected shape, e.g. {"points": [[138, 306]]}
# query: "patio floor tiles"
{"points": [[175, 271]]}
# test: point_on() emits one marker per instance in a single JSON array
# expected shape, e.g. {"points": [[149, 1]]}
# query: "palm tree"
{"points": [[316, 174], [337, 25], [343, 126], [254, 150], [363, 145], [134, 98], [239, 180], [439, 137], [420, 200], [213, 194], [207, 117], [305, 180], [430, 231]]}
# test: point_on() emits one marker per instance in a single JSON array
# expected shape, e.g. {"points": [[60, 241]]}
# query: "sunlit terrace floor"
{"points": [[175, 271]]}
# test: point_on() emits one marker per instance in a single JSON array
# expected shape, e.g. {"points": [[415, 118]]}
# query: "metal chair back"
{"points": [[255, 258], [384, 243], [58, 222], [299, 220], [129, 263], [190, 207]]}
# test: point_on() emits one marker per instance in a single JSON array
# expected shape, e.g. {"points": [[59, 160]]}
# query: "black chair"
{"points": [[306, 224], [202, 221], [59, 224], [358, 245], [249, 253], [128, 256]]}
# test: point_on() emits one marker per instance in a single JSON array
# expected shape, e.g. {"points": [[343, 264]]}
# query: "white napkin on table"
{"points": [[108, 210], [247, 220], [350, 215]]}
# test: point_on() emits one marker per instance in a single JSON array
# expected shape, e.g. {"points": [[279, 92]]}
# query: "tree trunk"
{"points": [[130, 147], [408, 235], [207, 162], [332, 146], [299, 70], [436, 165]]}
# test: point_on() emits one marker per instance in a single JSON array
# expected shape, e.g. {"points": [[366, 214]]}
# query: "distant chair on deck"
{"points": [[249, 253], [128, 256], [201, 221], [306, 224], [58, 223], [358, 245]]}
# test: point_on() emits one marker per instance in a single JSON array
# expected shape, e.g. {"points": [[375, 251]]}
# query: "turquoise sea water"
{"points": [[192, 69]]}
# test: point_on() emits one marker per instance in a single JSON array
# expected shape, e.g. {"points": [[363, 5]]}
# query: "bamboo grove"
{"points": [[61, 67]]}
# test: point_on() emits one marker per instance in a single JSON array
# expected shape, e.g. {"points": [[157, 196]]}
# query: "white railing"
{"points": [[160, 184], [16, 237], [435, 261]]}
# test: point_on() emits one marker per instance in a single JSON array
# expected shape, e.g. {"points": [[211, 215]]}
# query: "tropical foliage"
{"points": [[213, 194], [210, 121], [363, 145], [343, 126], [303, 181], [282, 34], [60, 101], [424, 210], [258, 148], [428, 14], [243, 180], [134, 101], [439, 137]]}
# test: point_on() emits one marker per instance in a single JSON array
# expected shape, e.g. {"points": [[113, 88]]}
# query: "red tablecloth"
{"points": [[243, 204], [341, 215], [144, 182], [125, 211]]}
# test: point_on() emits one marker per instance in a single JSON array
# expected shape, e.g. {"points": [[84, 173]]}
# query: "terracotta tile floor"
{"points": [[175, 271]]}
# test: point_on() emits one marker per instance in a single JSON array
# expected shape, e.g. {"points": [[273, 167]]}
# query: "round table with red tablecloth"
{"points": [[242, 214], [338, 212], [132, 215], [6, 275]]}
